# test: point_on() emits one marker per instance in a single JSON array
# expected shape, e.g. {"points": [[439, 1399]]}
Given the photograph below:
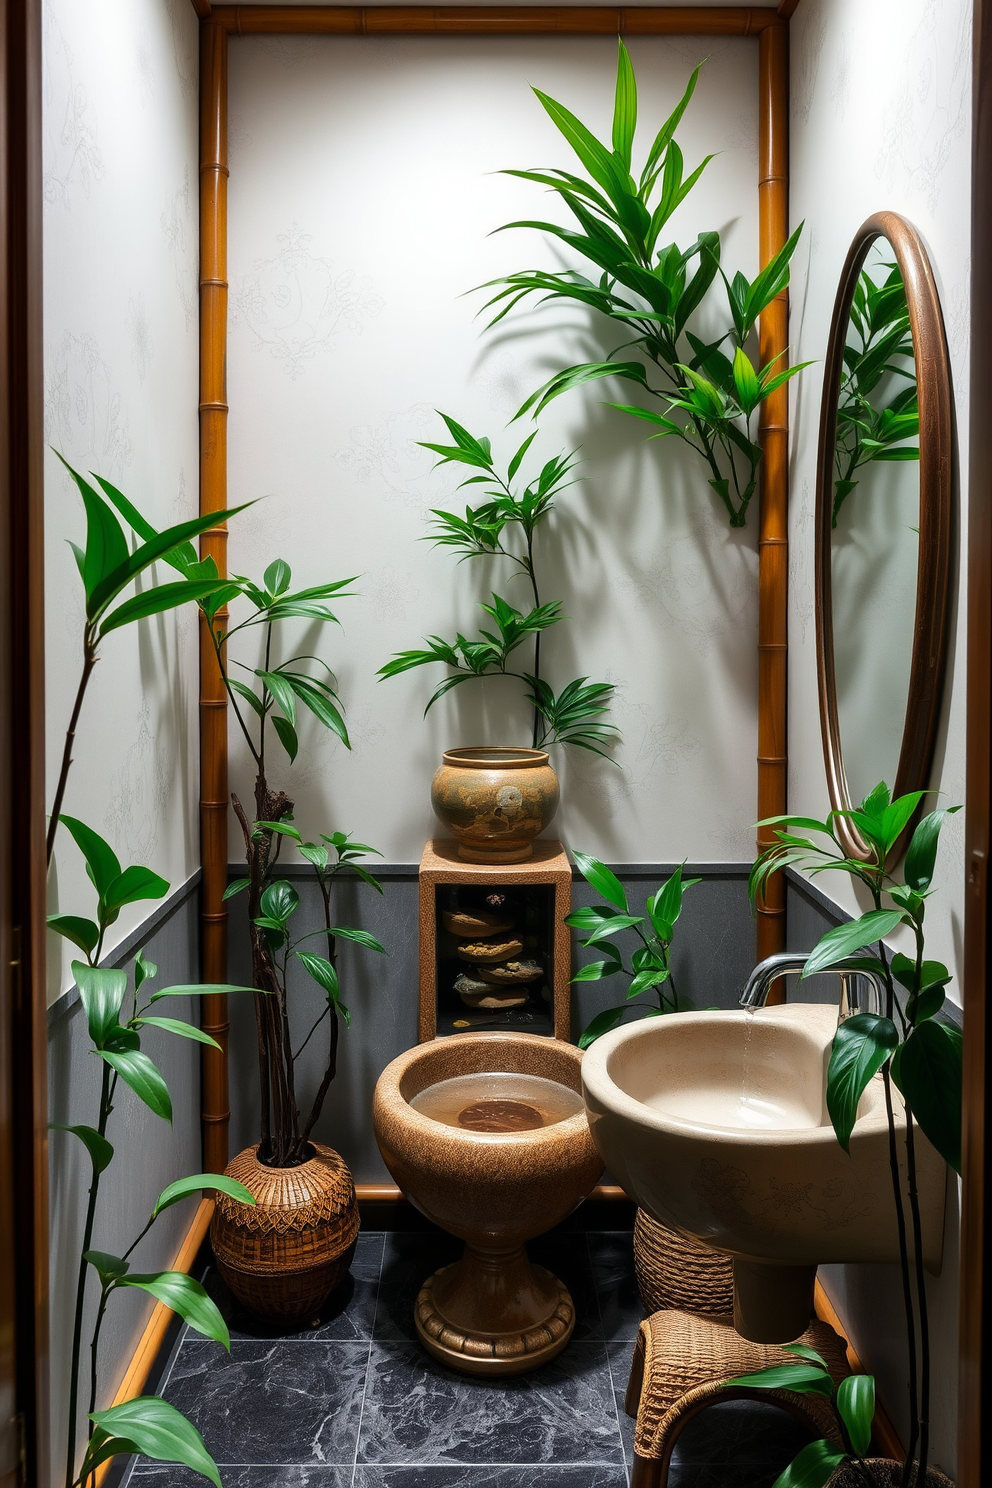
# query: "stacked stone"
{"points": [[497, 976]]}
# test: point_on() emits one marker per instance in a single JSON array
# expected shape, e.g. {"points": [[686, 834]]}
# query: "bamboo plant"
{"points": [[146, 1425], [505, 527], [912, 1048], [278, 692], [878, 353], [709, 391], [650, 967]]}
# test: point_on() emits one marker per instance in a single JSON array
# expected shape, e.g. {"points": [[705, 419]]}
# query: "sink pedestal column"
{"points": [[494, 1313], [772, 1303]]}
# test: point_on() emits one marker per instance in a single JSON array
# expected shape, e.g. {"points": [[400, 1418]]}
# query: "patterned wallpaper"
{"points": [[364, 191], [120, 173]]}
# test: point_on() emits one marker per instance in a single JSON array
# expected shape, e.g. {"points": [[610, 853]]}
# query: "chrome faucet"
{"points": [[860, 991]]}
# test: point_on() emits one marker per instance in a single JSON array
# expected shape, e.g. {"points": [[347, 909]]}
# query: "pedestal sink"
{"points": [[716, 1124]]}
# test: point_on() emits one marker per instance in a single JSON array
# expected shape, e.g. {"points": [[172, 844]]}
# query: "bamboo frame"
{"points": [[936, 472], [772, 34], [773, 541], [215, 1103]]}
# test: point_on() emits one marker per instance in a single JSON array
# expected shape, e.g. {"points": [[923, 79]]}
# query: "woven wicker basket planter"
{"points": [[886, 1472], [283, 1256], [675, 1272]]}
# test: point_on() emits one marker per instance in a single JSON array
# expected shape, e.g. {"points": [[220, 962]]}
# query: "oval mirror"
{"points": [[883, 521]]}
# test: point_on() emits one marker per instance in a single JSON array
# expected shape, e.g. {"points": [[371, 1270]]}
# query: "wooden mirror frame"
{"points": [[930, 630]]}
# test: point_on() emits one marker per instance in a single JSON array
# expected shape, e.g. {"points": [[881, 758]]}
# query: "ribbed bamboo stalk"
{"points": [[334, 20], [773, 550], [215, 1105]]}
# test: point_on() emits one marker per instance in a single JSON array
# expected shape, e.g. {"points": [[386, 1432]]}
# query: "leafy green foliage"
{"points": [[154, 1428], [709, 391], [853, 1402], [650, 966], [874, 417], [505, 526], [861, 1046]]}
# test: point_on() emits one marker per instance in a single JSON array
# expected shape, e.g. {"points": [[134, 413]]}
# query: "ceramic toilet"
{"points": [[487, 1136]]}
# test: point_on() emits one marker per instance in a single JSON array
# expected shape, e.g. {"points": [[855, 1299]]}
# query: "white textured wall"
{"points": [[881, 118], [120, 163], [362, 195], [120, 190]]}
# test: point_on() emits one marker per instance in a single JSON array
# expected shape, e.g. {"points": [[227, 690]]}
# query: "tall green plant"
{"points": [[650, 967], [913, 1050], [878, 352], [277, 692], [108, 567], [505, 527], [710, 390]]}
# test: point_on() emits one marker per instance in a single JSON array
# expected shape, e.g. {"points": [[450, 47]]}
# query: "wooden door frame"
{"points": [[24, 1360]]}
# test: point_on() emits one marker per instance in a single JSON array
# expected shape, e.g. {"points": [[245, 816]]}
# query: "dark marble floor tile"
{"points": [[348, 1313], [416, 1411], [742, 1433], [293, 1476], [620, 1355], [567, 1257], [719, 1475], [612, 1255], [574, 1475], [407, 1261], [271, 1402]]}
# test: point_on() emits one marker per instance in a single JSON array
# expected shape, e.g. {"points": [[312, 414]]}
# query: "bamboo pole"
{"points": [[335, 20], [773, 550], [215, 1105]]}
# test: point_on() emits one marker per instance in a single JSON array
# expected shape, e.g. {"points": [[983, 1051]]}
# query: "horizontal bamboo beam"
{"points": [[150, 1343], [388, 1193], [594, 20]]}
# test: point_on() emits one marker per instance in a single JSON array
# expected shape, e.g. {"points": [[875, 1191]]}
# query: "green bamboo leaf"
{"points": [[277, 577], [812, 1468], [922, 854], [856, 1408], [624, 108], [138, 1071], [133, 885], [102, 865], [282, 690], [83, 933], [323, 973], [100, 1151], [602, 879], [185, 1296], [201, 1183], [181, 1029], [594, 971], [360, 937], [861, 1046], [602, 1023], [667, 130], [279, 900], [101, 992], [802, 1378], [236, 887], [845, 940], [928, 1071], [161, 545], [287, 736], [200, 989], [157, 601], [155, 1428]]}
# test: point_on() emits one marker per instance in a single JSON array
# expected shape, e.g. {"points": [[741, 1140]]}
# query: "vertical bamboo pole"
{"points": [[215, 1105], [773, 550]]}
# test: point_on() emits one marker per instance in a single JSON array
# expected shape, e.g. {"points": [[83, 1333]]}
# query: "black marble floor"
{"points": [[356, 1402]]}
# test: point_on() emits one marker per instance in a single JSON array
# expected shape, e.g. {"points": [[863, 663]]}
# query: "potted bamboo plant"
{"points": [[496, 800], [283, 1256], [917, 1054]]}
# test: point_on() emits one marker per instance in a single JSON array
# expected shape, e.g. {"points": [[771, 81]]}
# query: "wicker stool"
{"points": [[674, 1271], [681, 1365]]}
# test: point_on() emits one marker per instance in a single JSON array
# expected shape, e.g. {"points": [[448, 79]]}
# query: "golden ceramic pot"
{"points": [[283, 1256], [494, 802], [493, 1312]]}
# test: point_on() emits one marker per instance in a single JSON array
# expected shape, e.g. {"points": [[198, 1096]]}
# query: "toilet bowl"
{"points": [[487, 1136]]}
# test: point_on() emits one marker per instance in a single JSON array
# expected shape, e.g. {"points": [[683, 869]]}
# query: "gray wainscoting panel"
{"points": [[149, 1154], [714, 951]]}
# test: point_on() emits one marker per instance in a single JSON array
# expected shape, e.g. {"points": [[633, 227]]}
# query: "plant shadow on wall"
{"points": [[146, 1425], [915, 1053]]}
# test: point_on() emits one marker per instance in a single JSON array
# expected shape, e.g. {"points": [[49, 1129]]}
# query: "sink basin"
{"points": [[716, 1124]]}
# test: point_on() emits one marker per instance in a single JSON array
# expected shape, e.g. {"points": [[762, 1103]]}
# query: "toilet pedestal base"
{"points": [[494, 1313]]}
